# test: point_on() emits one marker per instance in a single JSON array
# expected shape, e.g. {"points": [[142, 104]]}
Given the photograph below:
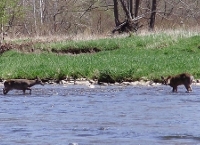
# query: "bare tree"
{"points": [[116, 13], [71, 17], [41, 11], [130, 24], [137, 4], [153, 15], [34, 14], [9, 10]]}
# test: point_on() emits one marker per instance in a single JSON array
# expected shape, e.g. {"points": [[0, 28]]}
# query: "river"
{"points": [[103, 115]]}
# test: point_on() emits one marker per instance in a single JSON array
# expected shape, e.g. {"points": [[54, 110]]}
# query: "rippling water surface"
{"points": [[114, 115]]}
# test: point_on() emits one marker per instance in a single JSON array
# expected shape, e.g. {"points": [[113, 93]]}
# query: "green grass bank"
{"points": [[117, 59]]}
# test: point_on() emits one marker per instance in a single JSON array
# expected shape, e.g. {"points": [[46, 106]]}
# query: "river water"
{"points": [[104, 115]]}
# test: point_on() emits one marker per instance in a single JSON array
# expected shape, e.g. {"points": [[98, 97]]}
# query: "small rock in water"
{"points": [[91, 86], [101, 128], [73, 143]]}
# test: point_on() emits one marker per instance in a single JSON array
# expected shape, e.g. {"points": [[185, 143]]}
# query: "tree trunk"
{"points": [[131, 8], [137, 4], [153, 15], [116, 14], [126, 10], [41, 11], [34, 15], [130, 24]]}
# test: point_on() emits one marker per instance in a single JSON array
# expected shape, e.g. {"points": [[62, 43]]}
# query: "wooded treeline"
{"points": [[65, 17]]}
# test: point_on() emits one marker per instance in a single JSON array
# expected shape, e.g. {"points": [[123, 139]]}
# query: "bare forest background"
{"points": [[72, 17]]}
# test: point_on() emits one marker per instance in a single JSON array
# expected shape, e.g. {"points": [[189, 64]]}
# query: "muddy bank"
{"points": [[28, 47]]}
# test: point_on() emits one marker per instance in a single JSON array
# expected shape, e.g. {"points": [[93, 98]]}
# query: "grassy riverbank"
{"points": [[116, 59]]}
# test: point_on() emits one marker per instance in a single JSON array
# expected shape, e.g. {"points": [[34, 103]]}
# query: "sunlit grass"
{"points": [[128, 58]]}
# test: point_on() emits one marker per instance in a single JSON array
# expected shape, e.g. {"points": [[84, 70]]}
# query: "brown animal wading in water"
{"points": [[180, 79], [20, 84]]}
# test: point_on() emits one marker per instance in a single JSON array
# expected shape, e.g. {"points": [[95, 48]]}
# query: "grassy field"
{"points": [[119, 59]]}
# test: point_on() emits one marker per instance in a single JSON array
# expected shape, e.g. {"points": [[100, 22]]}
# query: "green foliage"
{"points": [[2, 9], [120, 59], [9, 9]]}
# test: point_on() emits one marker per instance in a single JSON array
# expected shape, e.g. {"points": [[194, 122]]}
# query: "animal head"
{"points": [[39, 81], [166, 81]]}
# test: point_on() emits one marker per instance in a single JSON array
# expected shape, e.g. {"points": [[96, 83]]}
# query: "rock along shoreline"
{"points": [[92, 83]]}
